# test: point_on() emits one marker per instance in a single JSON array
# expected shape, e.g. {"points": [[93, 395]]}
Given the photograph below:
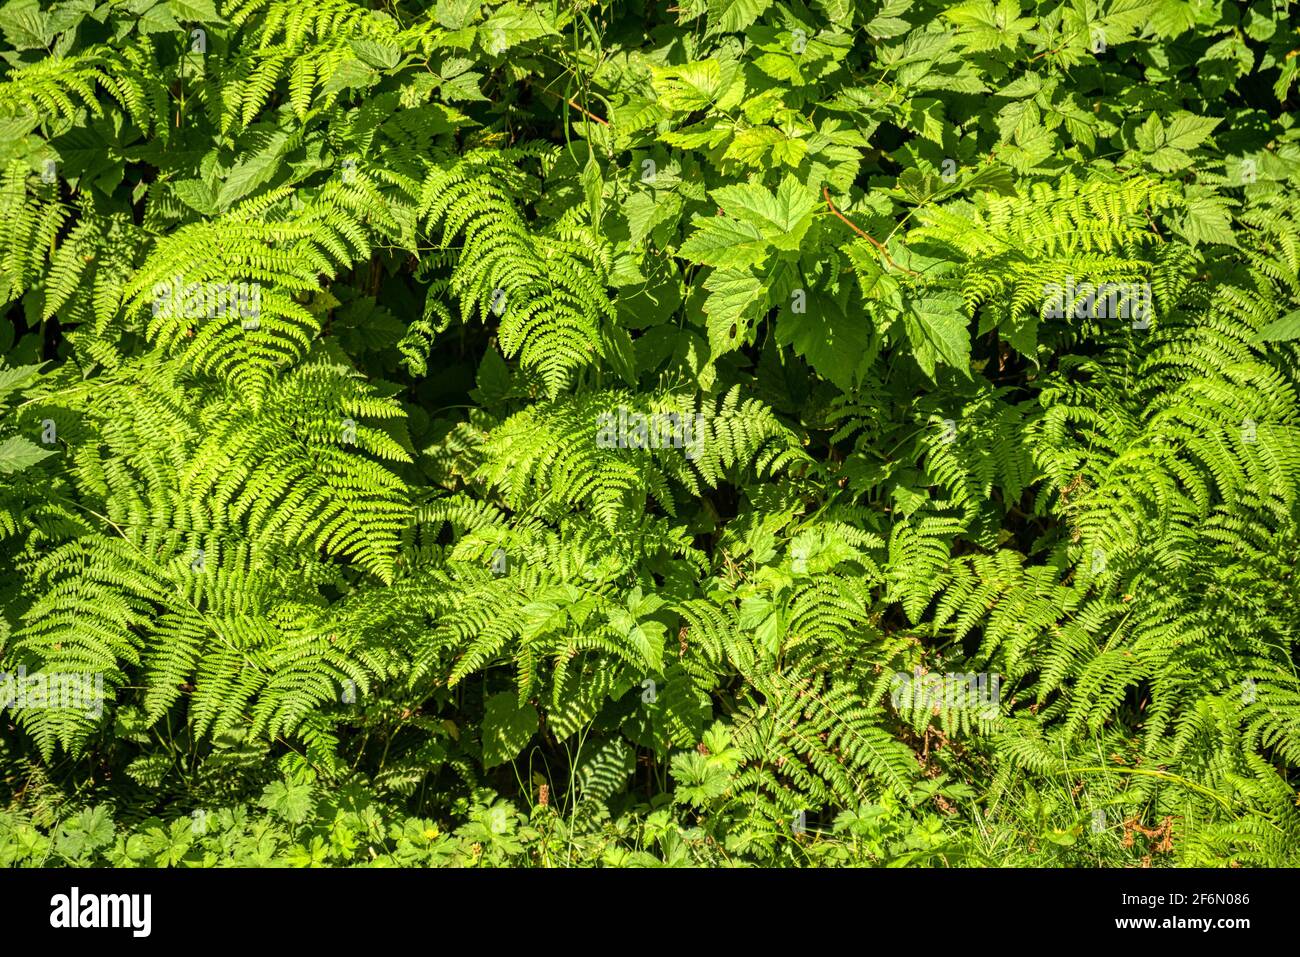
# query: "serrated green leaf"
{"points": [[936, 325], [18, 453], [16, 377], [1281, 330], [736, 297], [195, 11], [507, 728], [731, 16], [724, 242]]}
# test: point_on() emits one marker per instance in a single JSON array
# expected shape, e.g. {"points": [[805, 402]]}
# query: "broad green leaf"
{"points": [[253, 171], [753, 146], [1281, 330], [888, 21], [507, 727], [195, 11], [838, 12], [731, 16], [288, 800], [647, 640], [456, 14], [511, 25], [833, 343], [380, 55], [722, 241], [926, 116], [766, 619], [698, 85], [18, 453], [1187, 131], [1204, 216], [1169, 18], [936, 324], [350, 73], [88, 830], [159, 19], [16, 377], [25, 25], [736, 297], [782, 218]]}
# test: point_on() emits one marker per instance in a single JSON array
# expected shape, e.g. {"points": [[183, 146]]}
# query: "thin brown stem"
{"points": [[574, 104], [854, 226]]}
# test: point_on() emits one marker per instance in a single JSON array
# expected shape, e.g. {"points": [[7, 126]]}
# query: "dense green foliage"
{"points": [[542, 432]]}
